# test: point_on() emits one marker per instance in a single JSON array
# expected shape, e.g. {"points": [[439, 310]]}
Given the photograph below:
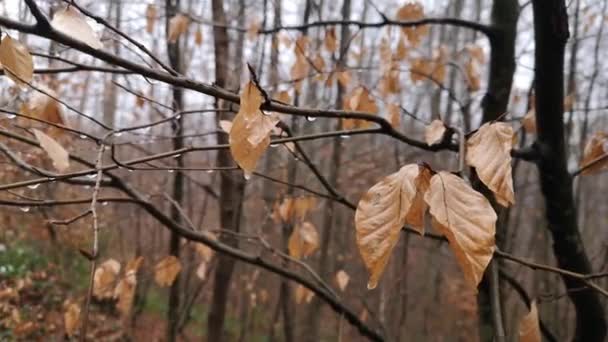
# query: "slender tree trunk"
{"points": [[505, 14], [173, 50], [314, 317], [551, 34], [231, 185]]}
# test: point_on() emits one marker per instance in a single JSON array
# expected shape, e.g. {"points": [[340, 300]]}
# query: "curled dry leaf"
{"points": [[71, 319], [43, 106], [410, 12], [150, 18], [178, 25], [434, 132], [359, 100], [383, 211], [303, 294], [250, 131], [71, 23], [226, 125], [166, 271], [16, 60], [595, 157], [55, 151], [304, 240], [489, 151], [529, 122], [342, 279], [394, 115], [201, 270], [330, 40], [104, 278], [125, 290], [467, 220], [529, 327], [198, 36]]}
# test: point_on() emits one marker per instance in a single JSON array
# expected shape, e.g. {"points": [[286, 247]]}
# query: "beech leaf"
{"points": [[594, 155], [467, 220], [178, 25], [433, 133], [167, 270], [55, 151], [489, 151], [43, 106], [384, 210], [529, 327], [16, 61], [72, 23], [342, 279], [304, 240], [104, 278], [71, 319]]}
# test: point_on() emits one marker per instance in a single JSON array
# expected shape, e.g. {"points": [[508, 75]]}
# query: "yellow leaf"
{"points": [[529, 327], [330, 40], [178, 25], [529, 122], [489, 152], [167, 270], [71, 23], [434, 132], [342, 279], [104, 278], [150, 18], [304, 240], [16, 61], [383, 211], [467, 220], [55, 151], [595, 149], [71, 319]]}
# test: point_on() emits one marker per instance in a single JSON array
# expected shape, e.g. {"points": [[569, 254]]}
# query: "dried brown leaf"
{"points": [[342, 279], [16, 61], [70, 22], [55, 151], [467, 220], [529, 327], [434, 132], [489, 152], [167, 270], [383, 211], [594, 155], [178, 25], [304, 240]]}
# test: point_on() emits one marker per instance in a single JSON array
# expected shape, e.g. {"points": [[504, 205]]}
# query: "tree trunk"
{"points": [[231, 185], [551, 34], [173, 50]]}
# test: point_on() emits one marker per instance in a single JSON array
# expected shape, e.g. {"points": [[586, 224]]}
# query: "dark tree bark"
{"points": [[232, 185], [173, 50], [551, 34]]}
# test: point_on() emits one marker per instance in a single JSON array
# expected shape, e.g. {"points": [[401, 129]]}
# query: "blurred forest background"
{"points": [[151, 231]]}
